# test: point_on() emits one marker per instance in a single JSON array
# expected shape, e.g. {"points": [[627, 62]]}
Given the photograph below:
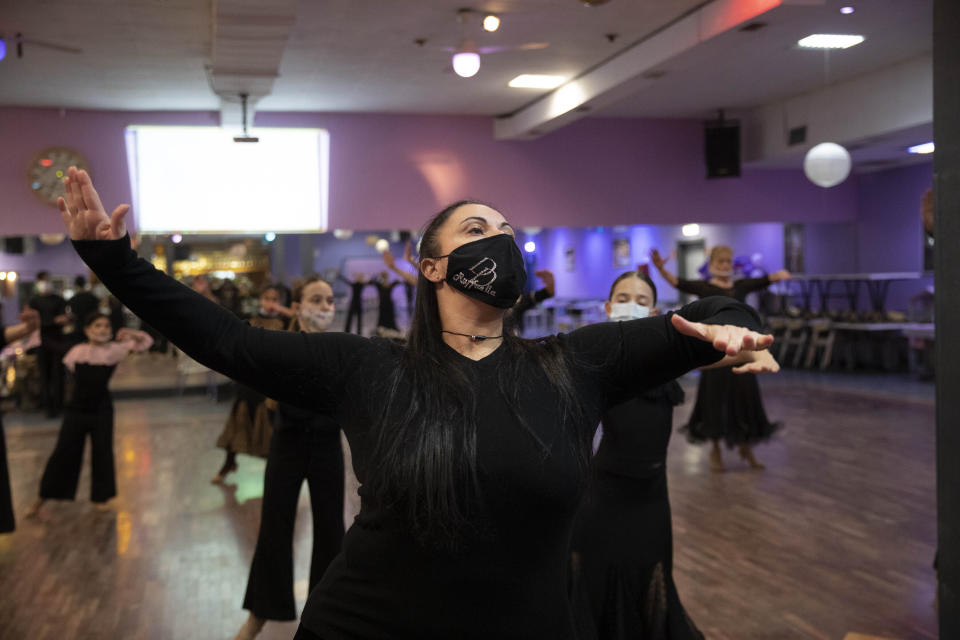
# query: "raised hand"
{"points": [[84, 215], [548, 280], [389, 260], [658, 260], [408, 255], [729, 339], [777, 276]]}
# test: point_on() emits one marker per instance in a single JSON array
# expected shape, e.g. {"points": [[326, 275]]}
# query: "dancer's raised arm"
{"points": [[660, 263], [303, 369], [637, 354]]}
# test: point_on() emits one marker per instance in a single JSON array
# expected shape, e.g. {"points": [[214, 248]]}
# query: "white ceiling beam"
{"points": [[248, 40], [871, 106], [629, 71]]}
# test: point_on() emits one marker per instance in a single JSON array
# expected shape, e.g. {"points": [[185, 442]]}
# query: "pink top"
{"points": [[110, 353]]}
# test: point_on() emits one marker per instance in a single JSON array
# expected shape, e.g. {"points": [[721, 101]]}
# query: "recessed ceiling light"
{"points": [[926, 147], [830, 41], [534, 81], [491, 23], [847, 10]]}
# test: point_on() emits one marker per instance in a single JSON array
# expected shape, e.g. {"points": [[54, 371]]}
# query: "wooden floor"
{"points": [[836, 537]]}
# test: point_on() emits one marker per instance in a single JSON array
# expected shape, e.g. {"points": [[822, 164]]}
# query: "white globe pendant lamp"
{"points": [[466, 60], [827, 164]]}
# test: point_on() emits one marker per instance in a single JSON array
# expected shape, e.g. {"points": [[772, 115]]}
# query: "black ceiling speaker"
{"points": [[13, 245], [722, 147]]}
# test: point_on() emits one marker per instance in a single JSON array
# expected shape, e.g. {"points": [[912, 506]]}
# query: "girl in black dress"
{"points": [[305, 446], [88, 411], [470, 444], [250, 422], [729, 406], [622, 553], [29, 322]]}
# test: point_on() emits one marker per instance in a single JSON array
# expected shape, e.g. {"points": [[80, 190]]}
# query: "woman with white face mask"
{"points": [[622, 584], [305, 446], [729, 408], [470, 443], [622, 552]]}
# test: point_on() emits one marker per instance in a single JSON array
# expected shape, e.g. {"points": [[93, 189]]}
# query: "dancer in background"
{"points": [[82, 304], [89, 411], [729, 407], [355, 307], [29, 322], [250, 422], [305, 446], [533, 298], [386, 310], [471, 444], [622, 552], [53, 344]]}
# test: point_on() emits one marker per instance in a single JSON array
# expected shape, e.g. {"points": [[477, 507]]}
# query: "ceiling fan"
{"points": [[19, 40], [466, 56]]}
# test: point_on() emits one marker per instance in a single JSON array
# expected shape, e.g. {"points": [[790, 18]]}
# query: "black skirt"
{"points": [[729, 408], [7, 523], [621, 583]]}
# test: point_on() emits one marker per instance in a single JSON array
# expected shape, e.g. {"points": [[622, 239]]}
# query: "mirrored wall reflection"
{"points": [[582, 260]]}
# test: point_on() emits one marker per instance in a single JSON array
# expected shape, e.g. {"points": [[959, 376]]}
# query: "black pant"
{"points": [[304, 634], [50, 365], [63, 468], [354, 311], [7, 522], [295, 454]]}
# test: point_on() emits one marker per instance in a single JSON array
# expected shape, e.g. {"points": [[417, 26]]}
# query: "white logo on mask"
{"points": [[482, 275]]}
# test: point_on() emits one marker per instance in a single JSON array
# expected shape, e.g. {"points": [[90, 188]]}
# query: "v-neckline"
{"points": [[471, 360]]}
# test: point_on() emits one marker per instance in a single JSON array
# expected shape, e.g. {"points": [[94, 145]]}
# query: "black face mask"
{"points": [[489, 270]]}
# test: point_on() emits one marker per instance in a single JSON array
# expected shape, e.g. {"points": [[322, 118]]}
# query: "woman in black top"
{"points": [[470, 445], [305, 446], [622, 553], [729, 406], [29, 321]]}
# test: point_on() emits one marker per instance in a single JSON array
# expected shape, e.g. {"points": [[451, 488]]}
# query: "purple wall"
{"points": [[889, 229], [391, 171]]}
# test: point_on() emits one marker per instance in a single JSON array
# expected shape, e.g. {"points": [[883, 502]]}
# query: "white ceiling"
{"points": [[343, 55], [741, 70], [360, 56]]}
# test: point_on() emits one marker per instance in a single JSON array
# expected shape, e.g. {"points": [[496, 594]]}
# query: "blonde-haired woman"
{"points": [[729, 407]]}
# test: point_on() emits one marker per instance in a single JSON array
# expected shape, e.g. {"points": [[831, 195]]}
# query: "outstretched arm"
{"points": [[660, 263], [391, 263], [29, 321], [625, 357], [303, 369], [134, 340]]}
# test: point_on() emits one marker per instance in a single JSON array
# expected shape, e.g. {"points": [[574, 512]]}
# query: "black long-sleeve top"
{"points": [[739, 291], [507, 579]]}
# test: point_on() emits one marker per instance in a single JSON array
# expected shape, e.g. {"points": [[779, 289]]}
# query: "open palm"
{"points": [[84, 215]]}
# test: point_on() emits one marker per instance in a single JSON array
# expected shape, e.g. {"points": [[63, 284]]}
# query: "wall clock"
{"points": [[47, 169]]}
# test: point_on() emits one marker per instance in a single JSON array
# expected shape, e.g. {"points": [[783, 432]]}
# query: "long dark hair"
{"points": [[425, 442]]}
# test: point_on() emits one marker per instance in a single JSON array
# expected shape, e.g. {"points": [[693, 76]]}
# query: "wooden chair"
{"points": [[794, 335], [822, 336]]}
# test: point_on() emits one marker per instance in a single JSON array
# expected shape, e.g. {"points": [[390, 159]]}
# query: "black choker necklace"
{"points": [[472, 337]]}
